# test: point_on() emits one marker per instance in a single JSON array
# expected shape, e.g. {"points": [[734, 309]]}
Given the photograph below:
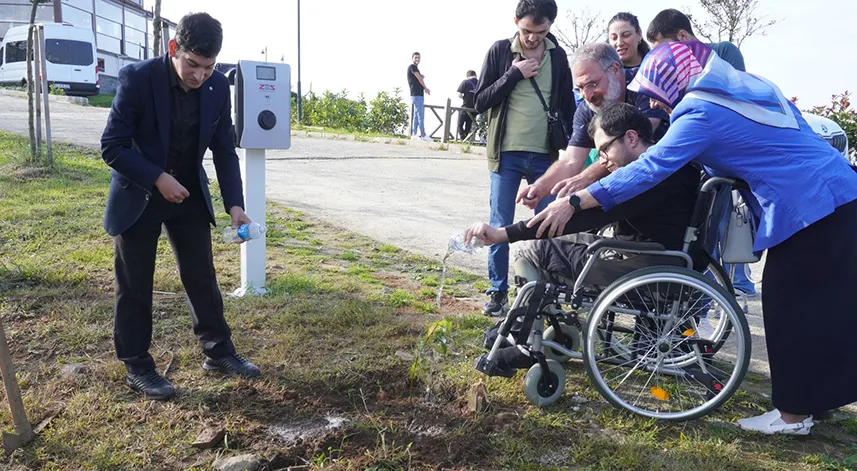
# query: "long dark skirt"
{"points": [[809, 300]]}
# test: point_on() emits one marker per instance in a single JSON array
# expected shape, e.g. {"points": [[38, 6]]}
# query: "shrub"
{"points": [[335, 110], [388, 113], [385, 114]]}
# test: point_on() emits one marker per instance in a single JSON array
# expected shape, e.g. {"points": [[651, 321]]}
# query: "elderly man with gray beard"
{"points": [[600, 76]]}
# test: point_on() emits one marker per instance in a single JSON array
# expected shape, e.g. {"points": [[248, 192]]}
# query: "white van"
{"points": [[70, 54]]}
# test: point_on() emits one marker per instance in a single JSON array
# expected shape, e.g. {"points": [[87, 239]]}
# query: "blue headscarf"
{"points": [[673, 71]]}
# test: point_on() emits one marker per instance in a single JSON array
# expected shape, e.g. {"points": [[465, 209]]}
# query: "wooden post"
{"points": [[13, 395], [44, 65], [447, 117], [474, 128], [37, 83]]}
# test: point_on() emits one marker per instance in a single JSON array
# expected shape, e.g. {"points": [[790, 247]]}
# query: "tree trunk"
{"points": [[156, 33], [30, 82]]}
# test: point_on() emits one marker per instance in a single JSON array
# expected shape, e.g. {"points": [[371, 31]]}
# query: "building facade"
{"points": [[123, 29]]}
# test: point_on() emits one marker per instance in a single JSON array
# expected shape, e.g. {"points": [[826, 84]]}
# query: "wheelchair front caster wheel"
{"points": [[543, 388], [570, 340]]}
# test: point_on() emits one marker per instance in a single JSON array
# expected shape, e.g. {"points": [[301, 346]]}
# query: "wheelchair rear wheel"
{"points": [[643, 350]]}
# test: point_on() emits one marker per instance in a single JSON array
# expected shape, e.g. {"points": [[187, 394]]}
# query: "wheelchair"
{"points": [[640, 337]]}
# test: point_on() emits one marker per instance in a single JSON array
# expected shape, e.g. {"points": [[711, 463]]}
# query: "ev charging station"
{"points": [[262, 116]]}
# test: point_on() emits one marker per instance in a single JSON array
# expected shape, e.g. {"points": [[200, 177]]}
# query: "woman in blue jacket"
{"points": [[803, 195]]}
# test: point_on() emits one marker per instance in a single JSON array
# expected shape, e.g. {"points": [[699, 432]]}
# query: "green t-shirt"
{"points": [[593, 157], [526, 126]]}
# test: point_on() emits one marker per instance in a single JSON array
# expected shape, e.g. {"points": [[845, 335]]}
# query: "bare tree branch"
{"points": [[730, 20], [582, 27]]}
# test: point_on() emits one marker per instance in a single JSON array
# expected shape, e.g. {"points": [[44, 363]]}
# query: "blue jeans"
{"points": [[514, 166], [419, 116]]}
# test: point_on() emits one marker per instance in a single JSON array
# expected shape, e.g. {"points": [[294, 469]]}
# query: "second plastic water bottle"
{"points": [[243, 233]]}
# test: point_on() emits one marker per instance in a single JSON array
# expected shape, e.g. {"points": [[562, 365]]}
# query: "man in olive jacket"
{"points": [[517, 123]]}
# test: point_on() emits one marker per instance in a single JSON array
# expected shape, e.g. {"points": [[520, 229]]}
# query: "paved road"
{"points": [[410, 196]]}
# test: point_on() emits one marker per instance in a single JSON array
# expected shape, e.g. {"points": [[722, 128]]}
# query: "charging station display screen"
{"points": [[266, 73]]}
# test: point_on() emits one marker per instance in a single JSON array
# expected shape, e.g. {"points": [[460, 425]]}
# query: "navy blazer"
{"points": [[136, 141]]}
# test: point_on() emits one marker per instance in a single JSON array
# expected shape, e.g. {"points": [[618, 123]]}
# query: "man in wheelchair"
{"points": [[621, 134], [661, 215]]}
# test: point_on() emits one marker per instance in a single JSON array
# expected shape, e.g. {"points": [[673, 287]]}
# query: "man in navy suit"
{"points": [[167, 111]]}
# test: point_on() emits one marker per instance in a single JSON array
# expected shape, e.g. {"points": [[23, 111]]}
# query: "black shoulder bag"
{"points": [[557, 133]]}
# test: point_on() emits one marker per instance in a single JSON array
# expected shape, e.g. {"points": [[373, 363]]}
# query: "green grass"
{"points": [[387, 248], [350, 256], [101, 101], [329, 338]]}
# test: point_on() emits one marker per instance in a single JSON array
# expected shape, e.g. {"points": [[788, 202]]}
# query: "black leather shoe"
{"points": [[152, 385], [232, 364]]}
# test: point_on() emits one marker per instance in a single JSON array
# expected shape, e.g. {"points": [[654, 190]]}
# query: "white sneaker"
{"points": [[427, 139], [416, 138], [771, 423]]}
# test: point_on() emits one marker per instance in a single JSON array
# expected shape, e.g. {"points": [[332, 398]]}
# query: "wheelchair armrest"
{"points": [[624, 245]]}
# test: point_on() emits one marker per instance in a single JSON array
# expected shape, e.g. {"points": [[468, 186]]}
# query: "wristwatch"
{"points": [[574, 201]]}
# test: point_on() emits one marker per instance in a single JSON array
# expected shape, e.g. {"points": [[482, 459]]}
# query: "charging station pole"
{"points": [[262, 121], [253, 253]]}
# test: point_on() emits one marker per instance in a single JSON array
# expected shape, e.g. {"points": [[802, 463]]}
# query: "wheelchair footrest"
{"points": [[491, 368], [506, 361]]}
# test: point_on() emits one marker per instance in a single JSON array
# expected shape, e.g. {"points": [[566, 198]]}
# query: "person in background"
{"points": [[802, 196], [672, 25], [168, 110], [417, 85], [626, 36], [516, 70], [467, 93]]}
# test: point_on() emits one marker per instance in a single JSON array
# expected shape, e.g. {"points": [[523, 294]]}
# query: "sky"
{"points": [[366, 45]]}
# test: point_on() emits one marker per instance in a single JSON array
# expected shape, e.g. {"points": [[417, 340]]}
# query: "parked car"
{"points": [[830, 132], [70, 58]]}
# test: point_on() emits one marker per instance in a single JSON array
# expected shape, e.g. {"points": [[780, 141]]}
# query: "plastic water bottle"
{"points": [[243, 233], [458, 244]]}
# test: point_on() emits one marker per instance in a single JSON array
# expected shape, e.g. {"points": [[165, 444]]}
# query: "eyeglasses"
{"points": [[602, 151], [592, 85]]}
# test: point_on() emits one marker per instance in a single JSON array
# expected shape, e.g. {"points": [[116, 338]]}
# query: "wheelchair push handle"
{"points": [[704, 203], [735, 183]]}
